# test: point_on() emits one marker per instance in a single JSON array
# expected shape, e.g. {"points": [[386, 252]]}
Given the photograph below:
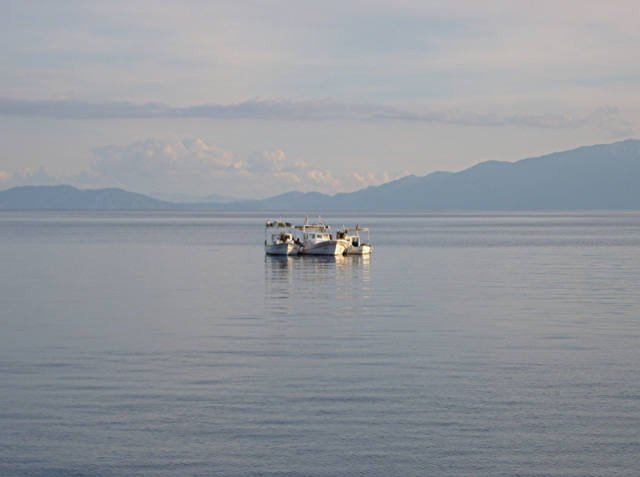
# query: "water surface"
{"points": [[167, 344]]}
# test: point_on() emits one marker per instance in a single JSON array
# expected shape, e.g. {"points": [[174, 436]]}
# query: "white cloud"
{"points": [[272, 161], [324, 179], [27, 176], [365, 179], [190, 165], [284, 171], [195, 167]]}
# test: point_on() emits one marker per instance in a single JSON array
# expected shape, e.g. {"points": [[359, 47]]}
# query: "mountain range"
{"points": [[65, 197], [605, 176]]}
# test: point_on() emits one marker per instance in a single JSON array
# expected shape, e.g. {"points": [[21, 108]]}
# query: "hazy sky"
{"points": [[257, 98]]}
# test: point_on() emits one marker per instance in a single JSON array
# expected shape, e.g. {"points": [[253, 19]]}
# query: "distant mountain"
{"points": [[605, 176], [67, 197]]}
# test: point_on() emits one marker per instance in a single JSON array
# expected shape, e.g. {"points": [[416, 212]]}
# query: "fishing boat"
{"points": [[318, 240], [356, 246], [279, 238]]}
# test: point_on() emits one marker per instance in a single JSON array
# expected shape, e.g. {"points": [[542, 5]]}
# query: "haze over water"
{"points": [[166, 344]]}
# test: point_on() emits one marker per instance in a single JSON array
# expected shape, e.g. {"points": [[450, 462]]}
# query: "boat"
{"points": [[356, 246], [279, 238], [318, 240]]}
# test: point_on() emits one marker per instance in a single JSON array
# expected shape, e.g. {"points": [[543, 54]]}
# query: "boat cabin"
{"points": [[280, 232], [316, 236], [356, 245], [282, 237]]}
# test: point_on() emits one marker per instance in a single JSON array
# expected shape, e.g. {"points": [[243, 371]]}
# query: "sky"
{"points": [[257, 98]]}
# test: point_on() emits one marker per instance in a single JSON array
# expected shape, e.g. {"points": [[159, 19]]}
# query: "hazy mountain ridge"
{"points": [[65, 197], [605, 176]]}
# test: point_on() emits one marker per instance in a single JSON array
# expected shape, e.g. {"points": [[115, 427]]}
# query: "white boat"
{"points": [[279, 238], [317, 240], [356, 246]]}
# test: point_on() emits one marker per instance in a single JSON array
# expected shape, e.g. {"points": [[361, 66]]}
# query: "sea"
{"points": [[468, 344]]}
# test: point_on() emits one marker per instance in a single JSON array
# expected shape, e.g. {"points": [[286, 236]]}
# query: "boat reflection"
{"points": [[314, 266], [307, 278]]}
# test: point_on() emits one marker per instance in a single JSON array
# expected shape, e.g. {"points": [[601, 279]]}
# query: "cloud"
{"points": [[197, 168], [369, 178], [159, 166], [498, 52], [273, 161], [607, 118], [298, 173], [193, 166], [26, 176], [72, 109]]}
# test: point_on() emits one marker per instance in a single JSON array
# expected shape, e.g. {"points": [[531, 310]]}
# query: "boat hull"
{"points": [[327, 247], [281, 249], [363, 249]]}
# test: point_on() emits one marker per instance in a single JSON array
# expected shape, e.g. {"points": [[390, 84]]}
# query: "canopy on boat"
{"points": [[313, 226], [278, 223]]}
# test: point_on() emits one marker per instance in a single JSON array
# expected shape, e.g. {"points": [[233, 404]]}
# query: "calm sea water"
{"points": [[167, 344]]}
